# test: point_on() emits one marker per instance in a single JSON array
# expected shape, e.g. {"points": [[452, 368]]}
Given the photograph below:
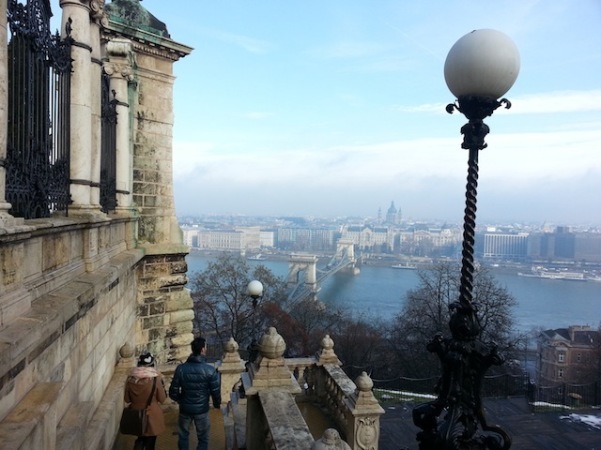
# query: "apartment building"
{"points": [[569, 355]]}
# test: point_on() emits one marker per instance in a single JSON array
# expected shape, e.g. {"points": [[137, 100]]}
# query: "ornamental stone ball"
{"points": [[231, 346], [126, 350], [482, 63], [272, 345], [364, 383]]}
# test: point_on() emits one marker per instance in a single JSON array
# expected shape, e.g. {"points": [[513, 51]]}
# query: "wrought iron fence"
{"points": [[564, 396], [423, 389], [39, 70], [108, 151]]}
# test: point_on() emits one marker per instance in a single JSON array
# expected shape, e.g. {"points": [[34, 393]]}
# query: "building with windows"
{"points": [[370, 238], [569, 355], [496, 245]]}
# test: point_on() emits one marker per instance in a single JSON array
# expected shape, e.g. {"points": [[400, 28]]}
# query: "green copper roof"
{"points": [[132, 14]]}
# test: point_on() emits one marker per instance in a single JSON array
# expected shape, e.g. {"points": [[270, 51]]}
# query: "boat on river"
{"points": [[554, 274], [404, 266]]}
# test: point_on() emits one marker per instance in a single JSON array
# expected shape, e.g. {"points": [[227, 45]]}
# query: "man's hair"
{"points": [[197, 345]]}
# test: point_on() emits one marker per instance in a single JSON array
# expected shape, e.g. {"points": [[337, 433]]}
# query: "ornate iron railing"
{"points": [[39, 71], [108, 152]]}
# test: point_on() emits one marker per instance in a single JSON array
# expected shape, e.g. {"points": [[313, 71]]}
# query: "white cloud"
{"points": [[249, 44], [557, 102], [542, 103]]}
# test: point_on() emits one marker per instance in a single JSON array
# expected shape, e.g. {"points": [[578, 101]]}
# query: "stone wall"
{"points": [[74, 290], [70, 333]]}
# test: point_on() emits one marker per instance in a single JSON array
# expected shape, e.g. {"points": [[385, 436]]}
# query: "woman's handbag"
{"points": [[134, 421]]}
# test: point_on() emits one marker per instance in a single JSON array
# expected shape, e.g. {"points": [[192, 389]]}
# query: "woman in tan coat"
{"points": [[138, 387]]}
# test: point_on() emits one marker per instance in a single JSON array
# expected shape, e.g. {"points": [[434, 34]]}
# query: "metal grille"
{"points": [[39, 71], [108, 155]]}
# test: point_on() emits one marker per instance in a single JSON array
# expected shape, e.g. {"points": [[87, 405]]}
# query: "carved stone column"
{"points": [[119, 68], [97, 19], [76, 15]]}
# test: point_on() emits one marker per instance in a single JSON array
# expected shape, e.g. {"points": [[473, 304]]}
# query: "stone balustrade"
{"points": [[272, 386]]}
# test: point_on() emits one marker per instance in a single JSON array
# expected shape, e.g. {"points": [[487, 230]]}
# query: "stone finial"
{"points": [[327, 355], [364, 382], [272, 345], [363, 397], [231, 351], [330, 440], [231, 346], [126, 351]]}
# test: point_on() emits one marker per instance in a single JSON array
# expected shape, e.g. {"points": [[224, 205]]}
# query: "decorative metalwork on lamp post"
{"points": [[255, 291], [480, 68]]}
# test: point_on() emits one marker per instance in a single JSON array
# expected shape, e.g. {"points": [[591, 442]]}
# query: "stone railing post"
{"points": [[268, 375], [327, 355], [363, 429], [231, 368]]}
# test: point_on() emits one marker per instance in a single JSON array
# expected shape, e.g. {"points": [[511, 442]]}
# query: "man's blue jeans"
{"points": [[202, 425]]}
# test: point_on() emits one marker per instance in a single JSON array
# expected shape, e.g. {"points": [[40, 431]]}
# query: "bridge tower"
{"points": [[345, 249], [302, 271]]}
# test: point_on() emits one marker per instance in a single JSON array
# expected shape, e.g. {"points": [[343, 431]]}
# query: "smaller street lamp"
{"points": [[480, 68], [255, 291]]}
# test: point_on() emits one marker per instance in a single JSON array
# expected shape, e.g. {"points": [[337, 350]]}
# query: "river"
{"points": [[378, 292]]}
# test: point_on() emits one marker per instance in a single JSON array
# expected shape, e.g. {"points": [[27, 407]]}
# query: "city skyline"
{"points": [[337, 109]]}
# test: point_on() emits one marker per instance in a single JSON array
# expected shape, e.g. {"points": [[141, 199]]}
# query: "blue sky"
{"points": [[336, 108]]}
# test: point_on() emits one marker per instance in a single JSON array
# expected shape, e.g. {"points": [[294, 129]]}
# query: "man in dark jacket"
{"points": [[193, 383]]}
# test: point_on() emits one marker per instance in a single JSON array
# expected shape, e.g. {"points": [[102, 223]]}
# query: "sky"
{"points": [[336, 108]]}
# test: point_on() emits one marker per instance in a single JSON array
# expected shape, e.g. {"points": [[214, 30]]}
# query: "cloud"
{"points": [[542, 103], [557, 102], [522, 175], [436, 108], [249, 44], [519, 157]]}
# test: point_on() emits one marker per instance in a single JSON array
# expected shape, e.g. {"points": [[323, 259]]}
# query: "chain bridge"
{"points": [[305, 277]]}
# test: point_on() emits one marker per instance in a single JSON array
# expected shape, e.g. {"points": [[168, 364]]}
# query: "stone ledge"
{"points": [[70, 431], [20, 430], [52, 314], [101, 431], [286, 424]]}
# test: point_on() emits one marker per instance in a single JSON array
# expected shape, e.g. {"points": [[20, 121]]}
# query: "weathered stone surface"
{"points": [[286, 424], [186, 315]]}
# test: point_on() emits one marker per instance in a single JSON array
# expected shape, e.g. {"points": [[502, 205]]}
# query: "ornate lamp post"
{"points": [[255, 291], [480, 68]]}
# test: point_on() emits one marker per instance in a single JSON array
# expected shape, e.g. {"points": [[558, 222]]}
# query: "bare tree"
{"points": [[222, 306], [426, 312]]}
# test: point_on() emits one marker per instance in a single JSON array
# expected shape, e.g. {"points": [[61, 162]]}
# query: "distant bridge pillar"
{"points": [[346, 246], [346, 249], [303, 264]]}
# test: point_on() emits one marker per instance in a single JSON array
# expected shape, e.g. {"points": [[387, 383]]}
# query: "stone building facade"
{"points": [[80, 289], [569, 355]]}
